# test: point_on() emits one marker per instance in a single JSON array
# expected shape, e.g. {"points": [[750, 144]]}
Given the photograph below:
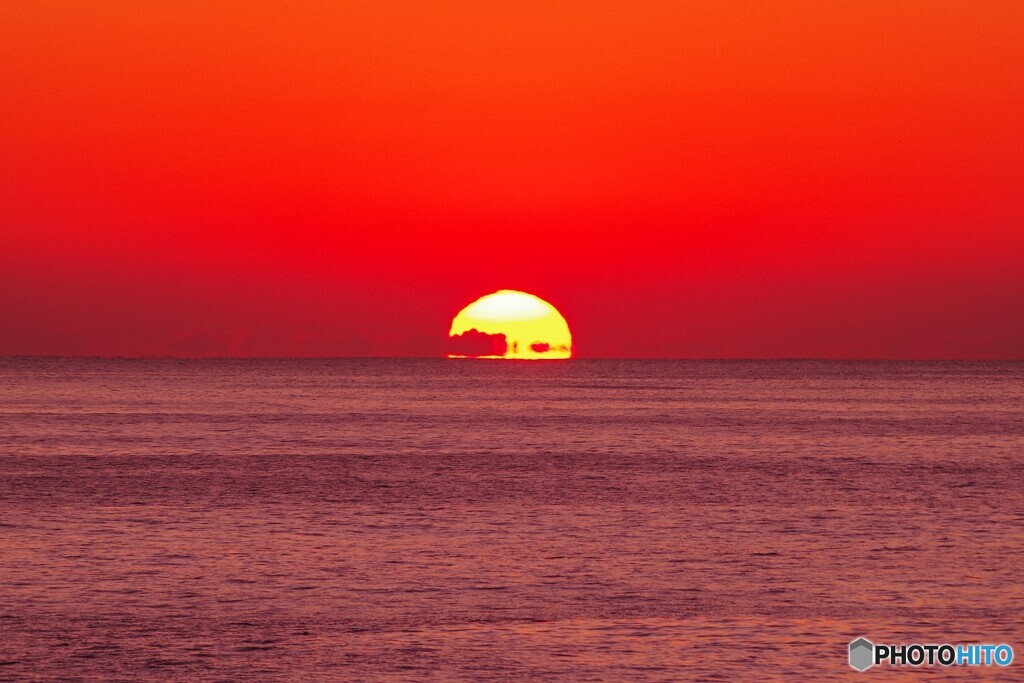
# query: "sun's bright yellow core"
{"points": [[533, 328]]}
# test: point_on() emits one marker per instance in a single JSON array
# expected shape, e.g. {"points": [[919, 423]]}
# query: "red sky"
{"points": [[694, 179]]}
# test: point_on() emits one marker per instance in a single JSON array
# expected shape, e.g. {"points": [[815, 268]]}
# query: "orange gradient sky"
{"points": [[752, 179]]}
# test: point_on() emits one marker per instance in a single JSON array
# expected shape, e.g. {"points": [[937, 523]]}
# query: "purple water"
{"points": [[403, 520]]}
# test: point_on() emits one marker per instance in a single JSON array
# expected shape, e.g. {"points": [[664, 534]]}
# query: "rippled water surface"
{"points": [[500, 521]]}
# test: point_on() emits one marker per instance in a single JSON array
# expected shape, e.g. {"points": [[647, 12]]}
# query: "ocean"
{"points": [[465, 520]]}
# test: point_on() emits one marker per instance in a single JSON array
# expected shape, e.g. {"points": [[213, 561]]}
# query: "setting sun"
{"points": [[510, 324]]}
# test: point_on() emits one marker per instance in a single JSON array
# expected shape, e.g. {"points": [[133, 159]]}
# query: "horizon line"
{"points": [[482, 358]]}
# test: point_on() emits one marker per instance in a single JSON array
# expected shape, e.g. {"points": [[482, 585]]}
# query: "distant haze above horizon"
{"points": [[695, 180]]}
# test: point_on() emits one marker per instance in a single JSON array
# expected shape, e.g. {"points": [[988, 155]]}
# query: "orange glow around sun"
{"points": [[512, 325]]}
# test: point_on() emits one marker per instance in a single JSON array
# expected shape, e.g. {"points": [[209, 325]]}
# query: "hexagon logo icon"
{"points": [[862, 654]]}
